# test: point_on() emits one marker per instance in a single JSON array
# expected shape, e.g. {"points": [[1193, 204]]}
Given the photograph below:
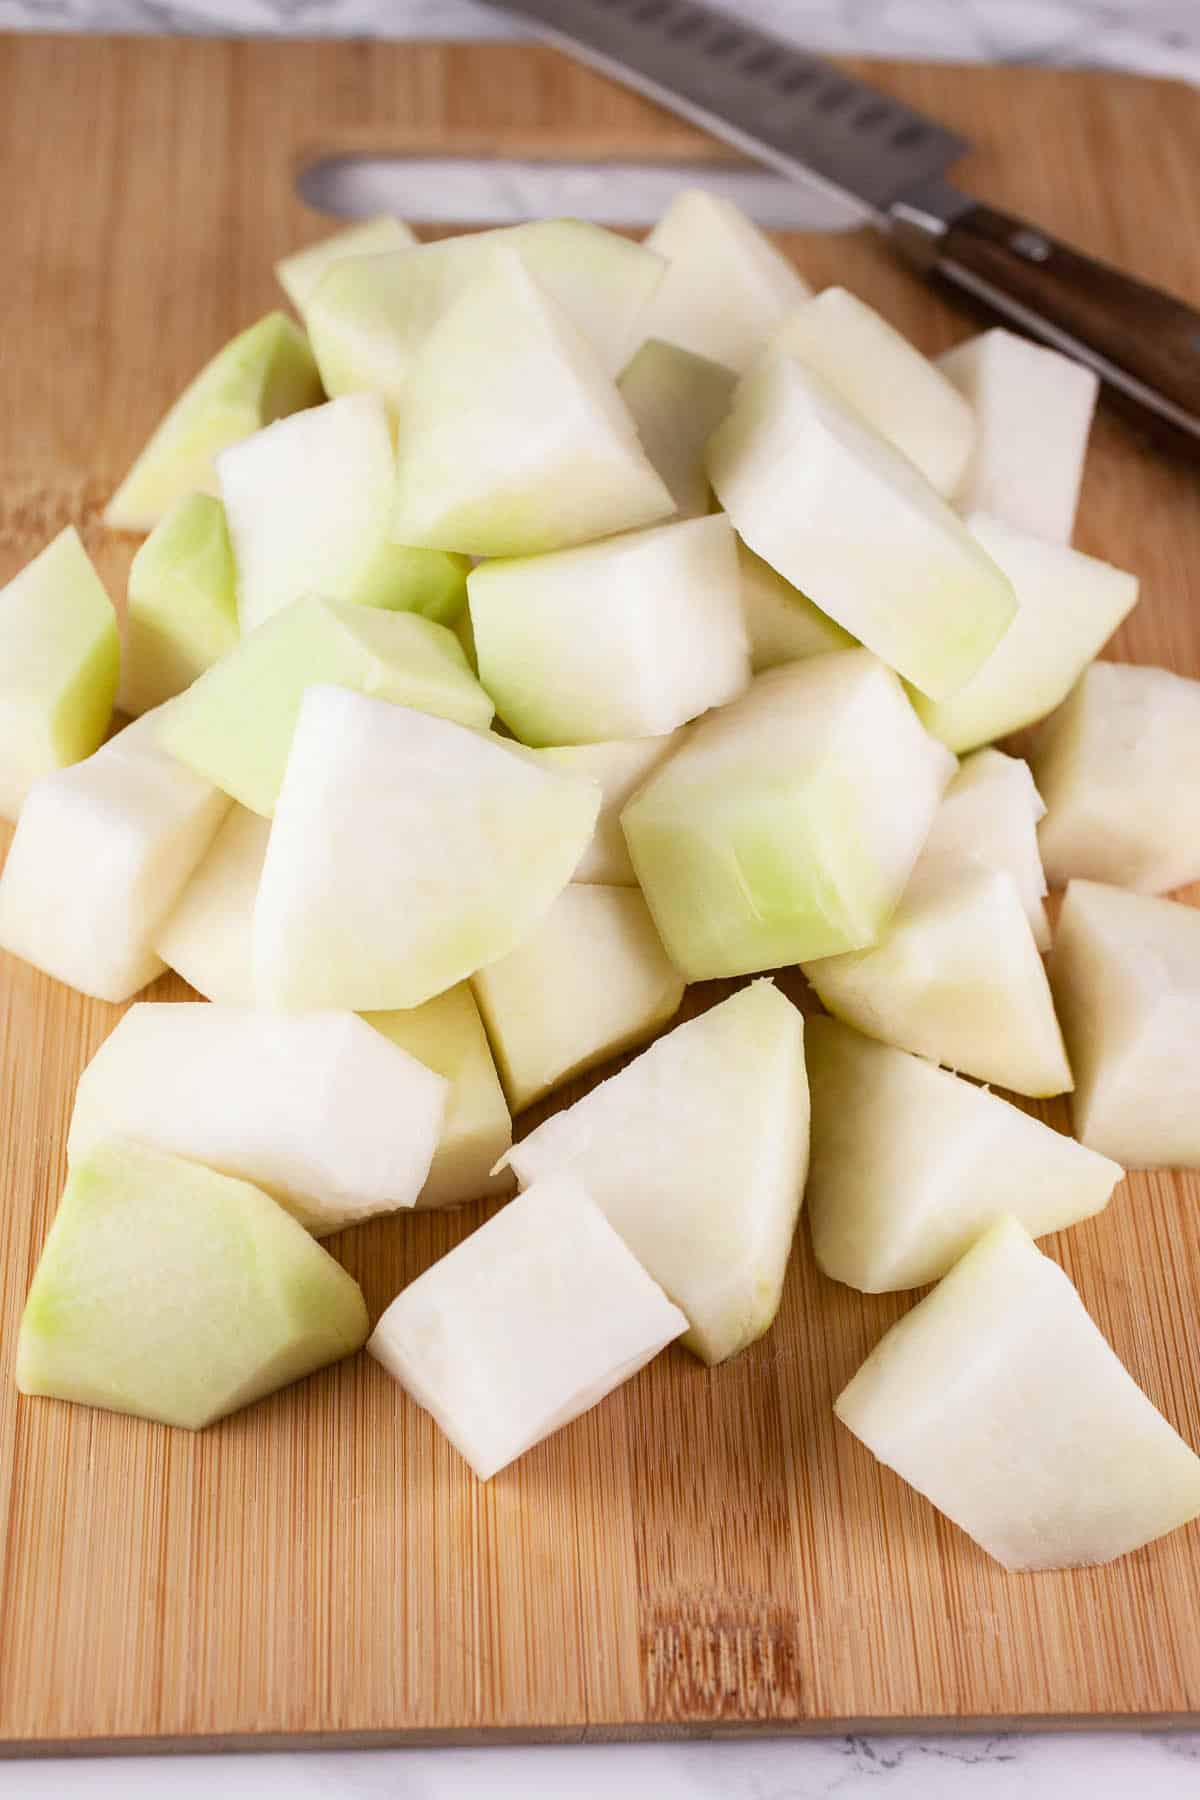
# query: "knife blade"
{"points": [[811, 120]]}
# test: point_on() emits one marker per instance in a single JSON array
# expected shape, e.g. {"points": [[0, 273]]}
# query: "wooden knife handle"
{"points": [[1144, 344]]}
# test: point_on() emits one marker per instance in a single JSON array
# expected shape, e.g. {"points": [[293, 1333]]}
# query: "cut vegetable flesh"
{"points": [[677, 400], [1001, 1402], [301, 273], [782, 624], [787, 824], [697, 1154], [619, 769], [181, 611], [989, 814], [208, 936], [179, 1294]]}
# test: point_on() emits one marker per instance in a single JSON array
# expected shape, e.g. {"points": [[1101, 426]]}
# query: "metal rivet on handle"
{"points": [[1031, 245]]}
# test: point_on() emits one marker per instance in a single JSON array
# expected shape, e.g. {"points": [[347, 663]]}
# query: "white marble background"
{"points": [[1155, 36]]}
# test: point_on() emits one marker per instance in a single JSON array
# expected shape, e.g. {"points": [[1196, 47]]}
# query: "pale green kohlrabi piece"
{"points": [[301, 273], [181, 606], [677, 400]]}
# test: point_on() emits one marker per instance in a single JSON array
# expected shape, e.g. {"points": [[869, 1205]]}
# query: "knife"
{"points": [[809, 119]]}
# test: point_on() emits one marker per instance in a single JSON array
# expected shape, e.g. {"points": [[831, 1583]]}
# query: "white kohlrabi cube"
{"points": [[956, 977], [899, 392], [1126, 975], [851, 523], [524, 1325], [697, 1153], [677, 400], [1116, 767], [102, 852], [318, 1110], [590, 980], [788, 823], [1068, 606], [301, 273], [726, 287], [369, 317], [208, 936], [1033, 412], [619, 769], [308, 503], [406, 853], [447, 1035], [999, 1400], [627, 638], [990, 814], [911, 1163], [512, 439], [782, 624]]}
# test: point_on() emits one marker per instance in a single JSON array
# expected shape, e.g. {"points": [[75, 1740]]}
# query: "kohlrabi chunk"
{"points": [[59, 657], [849, 521], [1069, 605], [990, 814], [899, 392], [1126, 976], [782, 624], [591, 979], [406, 853], [788, 823], [677, 400], [910, 1164], [956, 978], [524, 1325], [627, 638], [265, 373], [170, 1291], [512, 439], [318, 1110], [999, 1400], [309, 502], [369, 318], [619, 769], [101, 853], [235, 725], [697, 1153], [1033, 412], [301, 273], [447, 1035], [1116, 767], [208, 936], [181, 608], [727, 287]]}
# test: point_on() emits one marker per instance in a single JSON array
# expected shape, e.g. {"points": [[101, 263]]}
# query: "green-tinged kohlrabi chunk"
{"points": [[170, 1291], [315, 1108], [301, 273], [512, 439], [727, 287], [619, 769], [627, 638], [406, 853], [782, 624], [788, 823], [911, 1163], [990, 814], [1000, 1401], [590, 980], [263, 374], [208, 935], [369, 317], [101, 853], [900, 394], [235, 725], [59, 657], [849, 521], [524, 1325], [1069, 605], [677, 400], [957, 978], [697, 1154], [181, 609], [308, 503], [447, 1035]]}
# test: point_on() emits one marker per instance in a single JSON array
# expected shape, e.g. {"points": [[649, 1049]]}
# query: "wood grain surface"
{"points": [[706, 1550]]}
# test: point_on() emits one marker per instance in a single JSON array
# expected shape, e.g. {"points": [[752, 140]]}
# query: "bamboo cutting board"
{"points": [[706, 1550]]}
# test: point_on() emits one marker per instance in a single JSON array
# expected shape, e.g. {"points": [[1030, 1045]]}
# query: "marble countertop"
{"points": [[1154, 36]]}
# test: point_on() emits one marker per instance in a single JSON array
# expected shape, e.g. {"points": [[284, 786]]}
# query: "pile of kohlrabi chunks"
{"points": [[542, 624]]}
